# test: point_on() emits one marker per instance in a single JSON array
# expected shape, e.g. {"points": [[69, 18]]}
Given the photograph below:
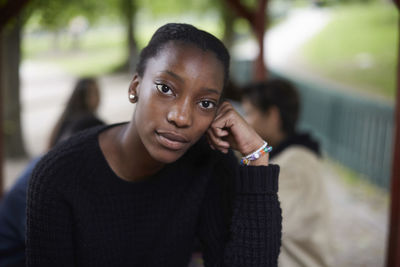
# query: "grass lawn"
{"points": [[102, 49], [99, 51], [359, 47]]}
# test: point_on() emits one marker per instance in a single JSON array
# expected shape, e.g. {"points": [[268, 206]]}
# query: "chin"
{"points": [[167, 156]]}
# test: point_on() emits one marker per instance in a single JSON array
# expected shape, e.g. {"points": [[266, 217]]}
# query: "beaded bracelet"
{"points": [[257, 154]]}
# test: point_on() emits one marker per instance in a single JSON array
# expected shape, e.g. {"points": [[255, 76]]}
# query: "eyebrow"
{"points": [[176, 76], [210, 90]]}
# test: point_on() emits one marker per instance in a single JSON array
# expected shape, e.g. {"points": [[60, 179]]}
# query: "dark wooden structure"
{"points": [[393, 248], [257, 19], [8, 10]]}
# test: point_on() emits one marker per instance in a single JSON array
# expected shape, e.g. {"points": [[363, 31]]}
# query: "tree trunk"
{"points": [[11, 56], [259, 30], [129, 10], [229, 33]]}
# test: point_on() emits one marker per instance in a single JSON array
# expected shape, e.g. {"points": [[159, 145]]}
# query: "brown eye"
{"points": [[164, 89], [206, 104]]}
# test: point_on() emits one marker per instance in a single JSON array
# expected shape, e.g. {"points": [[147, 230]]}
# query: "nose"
{"points": [[180, 114]]}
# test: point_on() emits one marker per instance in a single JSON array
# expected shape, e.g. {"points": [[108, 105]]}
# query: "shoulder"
{"points": [[301, 170], [66, 158], [296, 155], [85, 122]]}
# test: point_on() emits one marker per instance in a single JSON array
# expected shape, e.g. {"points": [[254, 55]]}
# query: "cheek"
{"points": [[202, 123], [147, 112]]}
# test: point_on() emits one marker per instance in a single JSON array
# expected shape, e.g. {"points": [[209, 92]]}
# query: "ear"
{"points": [[134, 87]]}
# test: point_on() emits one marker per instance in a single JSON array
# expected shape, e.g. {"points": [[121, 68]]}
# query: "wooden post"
{"points": [[393, 250], [256, 18], [1, 117], [8, 10]]}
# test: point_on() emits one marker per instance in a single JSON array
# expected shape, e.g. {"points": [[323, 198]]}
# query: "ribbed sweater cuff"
{"points": [[257, 179]]}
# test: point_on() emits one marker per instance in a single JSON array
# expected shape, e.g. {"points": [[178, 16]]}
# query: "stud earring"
{"points": [[133, 98]]}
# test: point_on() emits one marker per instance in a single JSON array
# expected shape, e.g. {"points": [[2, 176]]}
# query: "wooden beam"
{"points": [[256, 18], [393, 250], [8, 10], [1, 117], [241, 10]]}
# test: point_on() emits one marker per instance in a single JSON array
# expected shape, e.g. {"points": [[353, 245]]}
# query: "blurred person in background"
{"points": [[79, 114], [272, 108], [80, 111]]}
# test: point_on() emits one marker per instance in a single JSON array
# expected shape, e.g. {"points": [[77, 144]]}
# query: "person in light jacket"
{"points": [[272, 108]]}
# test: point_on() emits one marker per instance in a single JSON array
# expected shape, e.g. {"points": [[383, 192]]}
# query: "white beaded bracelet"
{"points": [[256, 154]]}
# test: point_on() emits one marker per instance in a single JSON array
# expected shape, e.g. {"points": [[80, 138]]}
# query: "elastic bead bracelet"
{"points": [[257, 154]]}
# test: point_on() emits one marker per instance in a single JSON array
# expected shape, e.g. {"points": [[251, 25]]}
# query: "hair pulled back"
{"points": [[187, 34]]}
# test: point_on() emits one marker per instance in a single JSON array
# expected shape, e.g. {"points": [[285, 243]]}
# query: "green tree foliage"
{"points": [[176, 7], [55, 14]]}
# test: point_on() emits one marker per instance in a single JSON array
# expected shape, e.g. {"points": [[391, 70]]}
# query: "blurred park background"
{"points": [[342, 55]]}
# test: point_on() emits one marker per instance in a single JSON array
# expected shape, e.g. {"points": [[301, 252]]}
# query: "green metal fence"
{"points": [[353, 130]]}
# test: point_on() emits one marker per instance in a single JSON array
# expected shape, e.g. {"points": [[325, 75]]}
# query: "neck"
{"points": [[136, 162]]}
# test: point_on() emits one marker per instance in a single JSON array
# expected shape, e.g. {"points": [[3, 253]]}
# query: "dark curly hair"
{"points": [[187, 34]]}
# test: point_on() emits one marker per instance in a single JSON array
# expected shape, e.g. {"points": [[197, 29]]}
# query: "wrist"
{"points": [[251, 148], [261, 161], [257, 157]]}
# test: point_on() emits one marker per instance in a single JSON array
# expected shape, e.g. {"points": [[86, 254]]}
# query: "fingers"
{"points": [[219, 129], [224, 108], [230, 130], [216, 142]]}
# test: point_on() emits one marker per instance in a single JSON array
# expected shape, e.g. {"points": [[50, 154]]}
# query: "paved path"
{"points": [[283, 40], [359, 221]]}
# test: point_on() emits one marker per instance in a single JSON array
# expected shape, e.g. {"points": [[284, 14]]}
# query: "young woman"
{"points": [[138, 193]]}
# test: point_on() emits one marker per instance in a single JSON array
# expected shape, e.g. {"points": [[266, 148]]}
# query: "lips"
{"points": [[171, 140]]}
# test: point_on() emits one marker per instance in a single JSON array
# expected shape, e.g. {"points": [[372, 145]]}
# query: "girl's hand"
{"points": [[230, 130]]}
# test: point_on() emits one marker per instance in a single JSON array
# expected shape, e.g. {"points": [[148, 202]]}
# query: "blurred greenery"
{"points": [[359, 46], [102, 48]]}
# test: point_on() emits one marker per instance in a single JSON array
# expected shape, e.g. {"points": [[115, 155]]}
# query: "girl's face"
{"points": [[178, 97]]}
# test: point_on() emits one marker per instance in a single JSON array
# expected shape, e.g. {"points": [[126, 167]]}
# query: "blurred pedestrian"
{"points": [[79, 114], [138, 193], [80, 111], [272, 108]]}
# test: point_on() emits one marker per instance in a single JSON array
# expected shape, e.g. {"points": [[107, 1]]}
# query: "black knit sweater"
{"points": [[81, 214]]}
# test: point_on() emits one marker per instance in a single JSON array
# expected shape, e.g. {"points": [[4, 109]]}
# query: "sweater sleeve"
{"points": [[240, 224], [49, 221]]}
